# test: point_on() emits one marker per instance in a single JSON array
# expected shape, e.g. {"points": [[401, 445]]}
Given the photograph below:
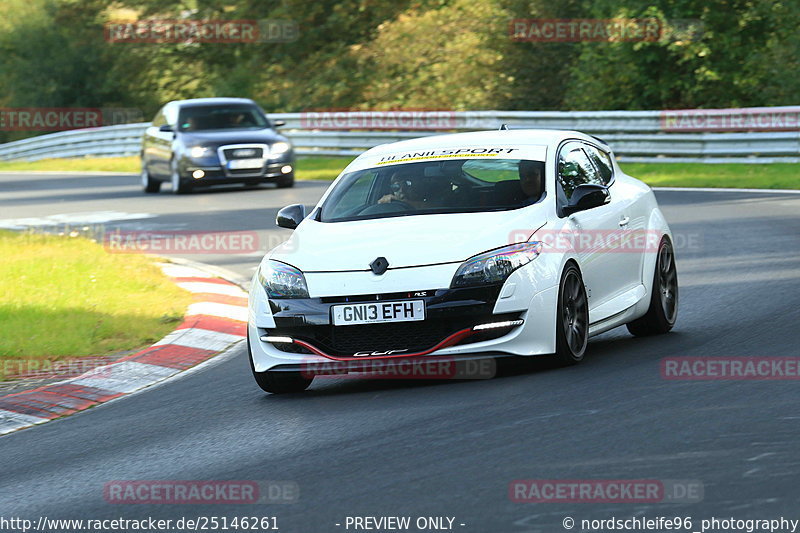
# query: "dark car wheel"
{"points": [[278, 382], [179, 185], [149, 185], [663, 310], [572, 320], [284, 182]]}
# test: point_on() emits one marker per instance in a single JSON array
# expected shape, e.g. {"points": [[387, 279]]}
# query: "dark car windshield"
{"points": [[428, 187], [221, 117]]}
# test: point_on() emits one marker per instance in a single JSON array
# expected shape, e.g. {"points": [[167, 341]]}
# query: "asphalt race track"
{"points": [[445, 448]]}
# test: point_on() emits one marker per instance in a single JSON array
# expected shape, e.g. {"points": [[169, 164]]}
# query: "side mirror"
{"points": [[291, 216], [587, 196], [278, 123], [166, 128]]}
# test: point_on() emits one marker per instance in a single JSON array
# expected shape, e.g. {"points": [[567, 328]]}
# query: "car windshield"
{"points": [[429, 187], [221, 117]]}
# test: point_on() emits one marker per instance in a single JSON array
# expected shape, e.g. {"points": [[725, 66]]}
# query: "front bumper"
{"points": [[305, 335], [451, 316], [216, 173]]}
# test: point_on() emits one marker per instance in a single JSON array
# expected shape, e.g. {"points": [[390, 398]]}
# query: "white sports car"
{"points": [[463, 246]]}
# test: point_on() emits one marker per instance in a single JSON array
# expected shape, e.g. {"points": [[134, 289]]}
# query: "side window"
{"points": [[574, 169], [602, 161], [171, 114], [159, 119]]}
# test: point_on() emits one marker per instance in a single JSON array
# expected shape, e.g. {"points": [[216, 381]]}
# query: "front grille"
{"points": [[234, 152], [254, 153], [244, 171], [412, 337]]}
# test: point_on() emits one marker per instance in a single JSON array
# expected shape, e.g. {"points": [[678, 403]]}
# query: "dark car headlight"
{"points": [[198, 152], [282, 281], [495, 266], [279, 148]]}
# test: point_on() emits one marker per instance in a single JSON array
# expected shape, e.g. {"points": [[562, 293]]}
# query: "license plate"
{"points": [[378, 312], [237, 164]]}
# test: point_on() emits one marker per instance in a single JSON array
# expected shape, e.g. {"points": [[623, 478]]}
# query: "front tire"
{"points": [[149, 185], [179, 185], [572, 321], [278, 382], [284, 182], [663, 310]]}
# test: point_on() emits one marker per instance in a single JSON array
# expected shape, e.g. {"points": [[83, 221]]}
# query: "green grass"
{"points": [[735, 175], [308, 168], [320, 168], [63, 296], [101, 164], [767, 176]]}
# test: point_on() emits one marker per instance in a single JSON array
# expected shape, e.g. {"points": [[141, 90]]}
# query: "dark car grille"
{"points": [[252, 153], [344, 341]]}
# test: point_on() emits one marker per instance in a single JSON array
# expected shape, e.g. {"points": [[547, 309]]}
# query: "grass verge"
{"points": [[308, 168], [735, 175], [64, 296], [94, 164]]}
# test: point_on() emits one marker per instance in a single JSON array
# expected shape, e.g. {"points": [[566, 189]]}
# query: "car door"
{"points": [[626, 231], [589, 229], [158, 149], [150, 145], [162, 140]]}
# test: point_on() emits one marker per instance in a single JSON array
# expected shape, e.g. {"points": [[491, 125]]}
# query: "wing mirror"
{"points": [[291, 216], [166, 128], [278, 123], [587, 196]]}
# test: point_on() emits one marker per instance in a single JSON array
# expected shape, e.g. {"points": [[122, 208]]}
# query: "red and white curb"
{"points": [[215, 321]]}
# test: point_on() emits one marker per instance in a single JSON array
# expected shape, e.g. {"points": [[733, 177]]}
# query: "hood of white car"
{"points": [[405, 241]]}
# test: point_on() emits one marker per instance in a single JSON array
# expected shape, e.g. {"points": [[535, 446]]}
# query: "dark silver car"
{"points": [[214, 141]]}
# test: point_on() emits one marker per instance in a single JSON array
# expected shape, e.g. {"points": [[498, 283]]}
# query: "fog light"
{"points": [[197, 174], [286, 169], [495, 325], [276, 339]]}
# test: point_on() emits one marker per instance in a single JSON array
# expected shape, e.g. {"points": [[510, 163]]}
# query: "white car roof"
{"points": [[518, 144]]}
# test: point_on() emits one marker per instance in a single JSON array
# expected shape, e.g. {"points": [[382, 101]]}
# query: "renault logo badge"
{"points": [[379, 266]]}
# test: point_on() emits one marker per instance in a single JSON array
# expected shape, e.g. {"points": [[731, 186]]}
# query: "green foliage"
{"points": [[717, 53], [444, 58], [366, 54]]}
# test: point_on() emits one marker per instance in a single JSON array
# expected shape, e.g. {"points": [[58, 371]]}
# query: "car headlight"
{"points": [[197, 152], [495, 266], [282, 281], [278, 148]]}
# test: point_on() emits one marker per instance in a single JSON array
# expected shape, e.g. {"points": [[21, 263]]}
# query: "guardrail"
{"points": [[634, 136]]}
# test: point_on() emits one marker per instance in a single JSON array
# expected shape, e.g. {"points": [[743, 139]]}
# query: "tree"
{"points": [[733, 59], [449, 57]]}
